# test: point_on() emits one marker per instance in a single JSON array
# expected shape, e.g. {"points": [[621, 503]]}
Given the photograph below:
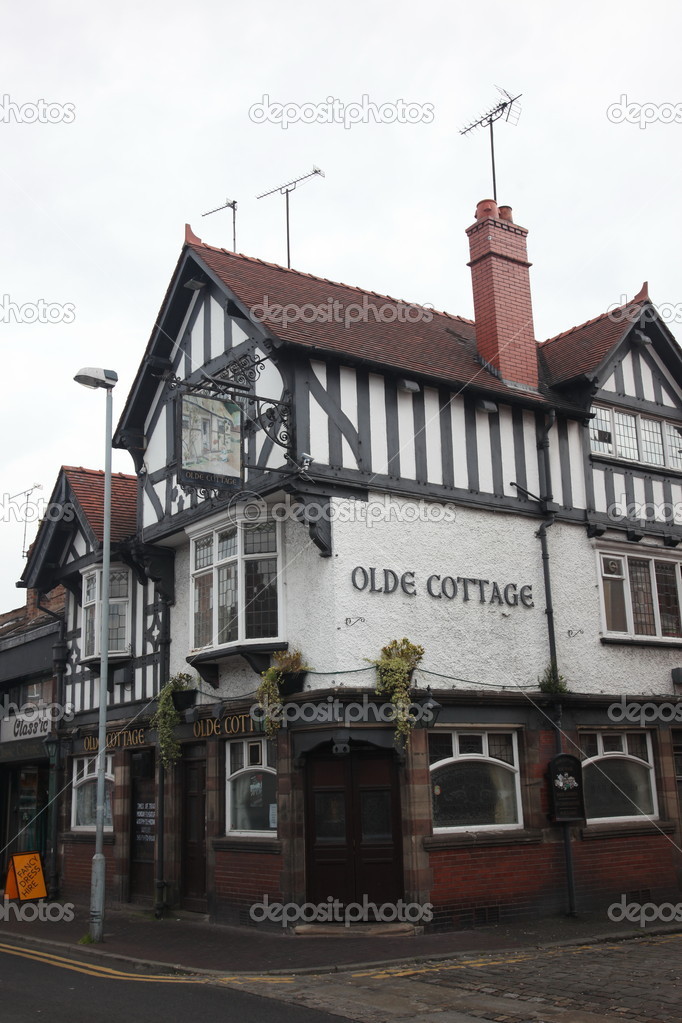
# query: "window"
{"points": [[84, 794], [235, 582], [632, 436], [251, 786], [618, 776], [119, 617], [641, 596], [474, 780]]}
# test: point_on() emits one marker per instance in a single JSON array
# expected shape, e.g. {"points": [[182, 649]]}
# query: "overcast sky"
{"points": [[145, 125]]}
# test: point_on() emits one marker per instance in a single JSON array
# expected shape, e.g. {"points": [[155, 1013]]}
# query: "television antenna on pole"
{"points": [[233, 206], [509, 108], [285, 189]]}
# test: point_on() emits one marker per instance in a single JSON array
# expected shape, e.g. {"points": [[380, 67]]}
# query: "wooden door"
{"points": [[353, 828], [193, 886]]}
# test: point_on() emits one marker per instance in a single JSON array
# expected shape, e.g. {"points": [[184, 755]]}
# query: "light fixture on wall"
{"points": [[483, 405], [410, 386]]}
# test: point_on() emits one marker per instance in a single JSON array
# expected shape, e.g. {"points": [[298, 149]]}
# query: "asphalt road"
{"points": [[37, 985]]}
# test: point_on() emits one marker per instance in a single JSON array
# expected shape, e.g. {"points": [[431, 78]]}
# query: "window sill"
{"points": [[464, 839], [648, 641], [627, 829], [244, 843], [256, 653], [86, 837]]}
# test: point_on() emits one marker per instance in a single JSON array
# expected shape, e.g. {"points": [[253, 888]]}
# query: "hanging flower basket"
{"points": [[184, 699]]}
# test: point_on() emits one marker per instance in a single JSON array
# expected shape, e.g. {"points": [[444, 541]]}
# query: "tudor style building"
{"points": [[514, 508]]}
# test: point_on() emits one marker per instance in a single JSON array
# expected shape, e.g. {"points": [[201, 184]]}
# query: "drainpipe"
{"points": [[544, 501], [551, 637], [59, 658]]}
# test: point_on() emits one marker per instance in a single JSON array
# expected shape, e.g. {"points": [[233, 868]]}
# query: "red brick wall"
{"points": [[76, 872]]}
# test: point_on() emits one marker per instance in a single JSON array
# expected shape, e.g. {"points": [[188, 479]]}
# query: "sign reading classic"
{"points": [[448, 587]]}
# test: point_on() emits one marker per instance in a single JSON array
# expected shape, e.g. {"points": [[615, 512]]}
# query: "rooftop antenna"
{"points": [[508, 108], [285, 189], [233, 206], [26, 494]]}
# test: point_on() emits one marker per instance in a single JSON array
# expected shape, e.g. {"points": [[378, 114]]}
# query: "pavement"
{"points": [[191, 944]]}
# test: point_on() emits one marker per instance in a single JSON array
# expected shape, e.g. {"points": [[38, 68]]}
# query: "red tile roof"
{"points": [[582, 349], [353, 322], [87, 486]]}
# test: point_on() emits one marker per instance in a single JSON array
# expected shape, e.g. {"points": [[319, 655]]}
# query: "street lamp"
{"points": [[106, 378]]}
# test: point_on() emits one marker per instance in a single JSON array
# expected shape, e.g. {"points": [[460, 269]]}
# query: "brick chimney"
{"points": [[502, 306]]}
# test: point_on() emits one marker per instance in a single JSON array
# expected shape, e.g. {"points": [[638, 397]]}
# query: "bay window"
{"points": [[235, 584], [119, 612]]}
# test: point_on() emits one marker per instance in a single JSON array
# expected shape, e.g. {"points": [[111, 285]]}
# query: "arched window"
{"points": [[251, 786], [618, 776], [84, 793], [474, 780]]}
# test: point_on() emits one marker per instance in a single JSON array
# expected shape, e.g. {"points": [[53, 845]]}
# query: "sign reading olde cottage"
{"points": [[442, 587], [566, 788]]}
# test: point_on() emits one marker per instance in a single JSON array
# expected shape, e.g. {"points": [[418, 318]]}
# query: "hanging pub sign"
{"points": [[210, 436], [566, 789]]}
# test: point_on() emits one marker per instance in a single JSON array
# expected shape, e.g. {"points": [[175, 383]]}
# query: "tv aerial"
{"points": [[231, 204], [510, 110], [284, 190]]}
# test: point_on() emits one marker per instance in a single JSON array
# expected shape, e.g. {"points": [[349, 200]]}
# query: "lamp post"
{"points": [[51, 744], [105, 378]]}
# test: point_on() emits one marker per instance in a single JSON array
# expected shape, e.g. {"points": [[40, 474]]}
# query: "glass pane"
{"points": [[471, 794], [227, 544], [89, 640], [203, 552], [236, 756], [617, 788], [375, 815], [668, 599], [253, 795], [501, 747], [642, 598], [203, 610], [612, 566], [652, 442], [612, 743], [86, 804], [228, 613], [117, 627], [614, 605], [440, 746], [637, 746], [600, 432], [260, 591], [674, 438], [260, 538], [330, 816], [118, 584], [255, 754], [626, 435], [470, 744], [588, 744], [90, 589]]}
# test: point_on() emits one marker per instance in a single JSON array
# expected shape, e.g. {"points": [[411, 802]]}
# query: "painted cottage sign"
{"points": [[448, 587]]}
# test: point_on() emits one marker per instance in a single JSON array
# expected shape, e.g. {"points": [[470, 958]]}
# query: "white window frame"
{"points": [[638, 417], [459, 758], [602, 755], [247, 768], [650, 554], [89, 777], [211, 529], [97, 572]]}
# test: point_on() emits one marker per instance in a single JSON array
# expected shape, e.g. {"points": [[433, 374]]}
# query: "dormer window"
{"points": [[635, 437], [119, 612]]}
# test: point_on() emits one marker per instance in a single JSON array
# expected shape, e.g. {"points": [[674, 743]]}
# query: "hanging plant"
{"points": [[282, 677], [395, 667], [166, 717]]}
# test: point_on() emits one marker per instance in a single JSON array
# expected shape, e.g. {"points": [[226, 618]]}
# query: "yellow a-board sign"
{"points": [[25, 879]]}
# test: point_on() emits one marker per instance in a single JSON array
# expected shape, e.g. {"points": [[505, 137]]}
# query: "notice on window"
{"points": [[272, 817], [256, 790], [145, 822]]}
